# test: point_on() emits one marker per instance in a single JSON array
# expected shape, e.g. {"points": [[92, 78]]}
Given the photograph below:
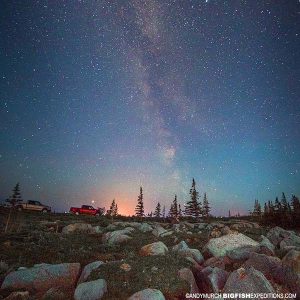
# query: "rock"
{"points": [[116, 237], [290, 242], [220, 262], [159, 231], [42, 278], [241, 253], [201, 226], [247, 281], [78, 228], [215, 233], [226, 230], [157, 248], [188, 276], [183, 249], [18, 296], [292, 260], [98, 229], [211, 280], [277, 234], [270, 266], [217, 225], [145, 227], [243, 225], [266, 247], [92, 290], [111, 227], [220, 246], [148, 294], [217, 279], [87, 270]]}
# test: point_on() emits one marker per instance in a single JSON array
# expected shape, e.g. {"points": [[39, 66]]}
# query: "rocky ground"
{"points": [[75, 257]]}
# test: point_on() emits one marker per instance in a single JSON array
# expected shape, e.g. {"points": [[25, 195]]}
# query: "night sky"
{"points": [[98, 97]]}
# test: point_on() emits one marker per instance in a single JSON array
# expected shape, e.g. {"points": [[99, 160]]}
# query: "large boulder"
{"points": [[183, 249], [277, 234], [220, 246], [116, 237], [266, 247], [242, 253], [292, 260], [159, 231], [145, 227], [247, 281], [157, 248], [187, 275], [87, 270], [148, 294], [78, 228], [270, 266], [217, 279], [41, 278], [92, 290]]}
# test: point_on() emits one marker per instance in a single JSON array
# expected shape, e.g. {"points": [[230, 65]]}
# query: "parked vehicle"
{"points": [[86, 210], [33, 206]]}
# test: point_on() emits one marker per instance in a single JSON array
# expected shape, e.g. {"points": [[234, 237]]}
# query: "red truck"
{"points": [[86, 210]]}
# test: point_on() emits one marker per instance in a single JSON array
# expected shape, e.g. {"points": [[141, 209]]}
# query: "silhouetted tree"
{"points": [[257, 209], [113, 210], [14, 199], [139, 209], [157, 212], [174, 208], [179, 211], [206, 207], [193, 207]]}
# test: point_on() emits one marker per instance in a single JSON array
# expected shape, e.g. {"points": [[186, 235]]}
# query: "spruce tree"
{"points": [[193, 207], [139, 209], [157, 212], [174, 208], [179, 211], [284, 203], [164, 212], [206, 207], [14, 199]]}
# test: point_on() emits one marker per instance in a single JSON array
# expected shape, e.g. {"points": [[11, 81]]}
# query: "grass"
{"points": [[31, 241]]}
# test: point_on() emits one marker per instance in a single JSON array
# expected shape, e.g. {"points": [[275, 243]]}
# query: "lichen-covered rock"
{"points": [[148, 294], [242, 253], [91, 290], [43, 277], [78, 228], [247, 281], [187, 275], [266, 247], [292, 260], [277, 234], [159, 231], [145, 227], [270, 266], [87, 270], [220, 246], [183, 249], [157, 248], [116, 237]]}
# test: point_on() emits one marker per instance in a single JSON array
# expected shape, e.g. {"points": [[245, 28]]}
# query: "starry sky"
{"points": [[100, 97]]}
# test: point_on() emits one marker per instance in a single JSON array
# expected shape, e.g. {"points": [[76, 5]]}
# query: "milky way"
{"points": [[100, 97]]}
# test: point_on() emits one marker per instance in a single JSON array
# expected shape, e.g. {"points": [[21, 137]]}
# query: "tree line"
{"points": [[193, 207], [281, 212]]}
